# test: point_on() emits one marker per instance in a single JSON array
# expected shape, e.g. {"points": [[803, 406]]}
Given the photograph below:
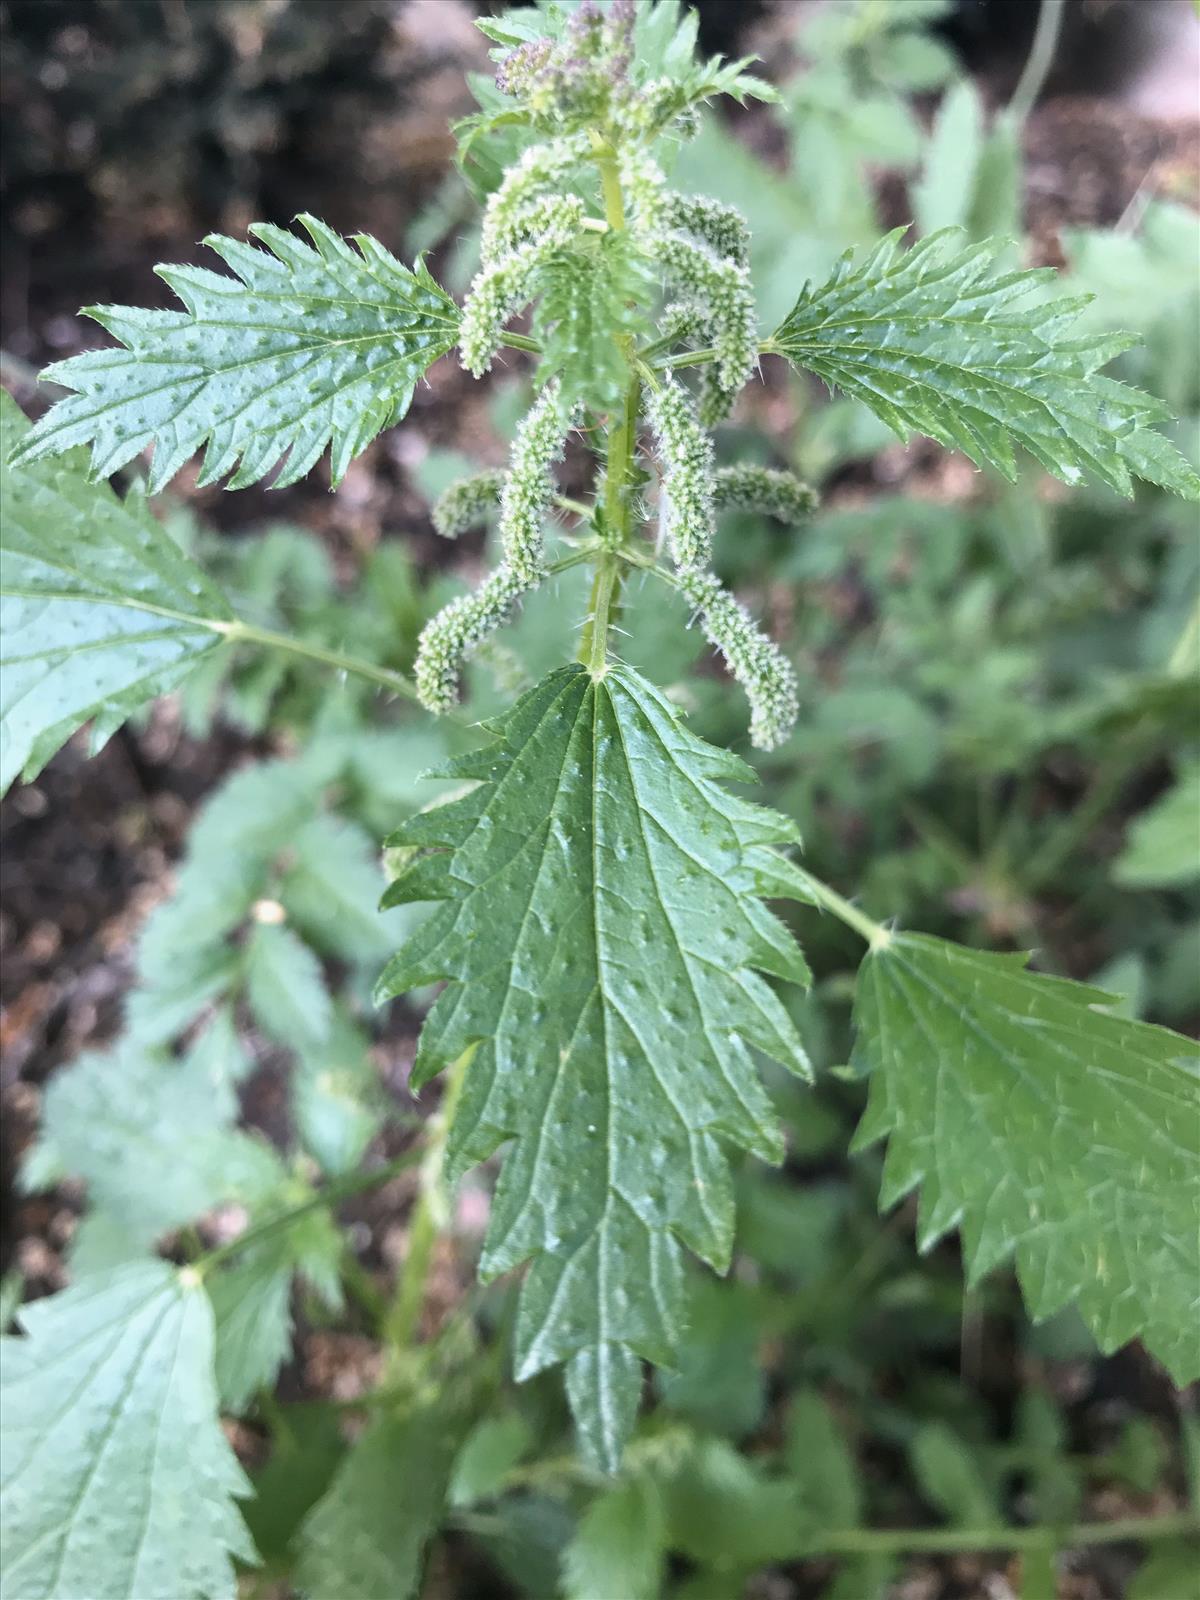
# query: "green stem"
{"points": [[689, 358], [875, 934], [518, 341], [610, 182], [430, 1216], [331, 1195], [889, 1541], [602, 609], [1038, 62], [239, 632]]}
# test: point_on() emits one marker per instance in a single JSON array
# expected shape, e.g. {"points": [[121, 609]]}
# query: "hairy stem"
{"points": [[602, 608], [618, 463], [239, 632], [875, 934]]}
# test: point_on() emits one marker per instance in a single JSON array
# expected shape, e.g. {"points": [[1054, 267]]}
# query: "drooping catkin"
{"points": [[764, 672], [776, 494], [506, 284], [685, 458], [466, 504], [529, 485], [540, 167], [448, 639], [722, 228], [451, 637], [723, 295]]}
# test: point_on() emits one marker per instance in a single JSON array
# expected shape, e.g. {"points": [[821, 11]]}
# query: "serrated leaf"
{"points": [[185, 956], [937, 340], [492, 1449], [367, 1534], [308, 346], [286, 988], [619, 1546], [100, 611], [118, 1483], [822, 1465], [1168, 1572], [331, 891], [252, 1311], [1163, 846], [600, 926], [154, 1140], [306, 1447], [587, 302], [1045, 1128], [718, 1381], [944, 194], [949, 1476], [251, 1299], [336, 1100], [722, 1511]]}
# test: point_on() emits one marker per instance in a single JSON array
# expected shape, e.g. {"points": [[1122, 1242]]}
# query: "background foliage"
{"points": [[998, 746]]}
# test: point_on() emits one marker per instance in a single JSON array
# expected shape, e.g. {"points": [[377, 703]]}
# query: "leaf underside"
{"points": [[1043, 1128], [600, 925], [935, 341], [100, 611], [310, 345], [117, 1480]]}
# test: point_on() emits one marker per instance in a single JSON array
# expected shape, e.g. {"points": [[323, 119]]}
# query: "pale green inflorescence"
{"points": [[467, 503], [723, 228], [449, 638], [506, 284], [685, 456], [720, 288], [581, 92], [776, 494], [755, 661], [526, 184]]}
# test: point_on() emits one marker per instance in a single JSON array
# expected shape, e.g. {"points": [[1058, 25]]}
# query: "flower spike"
{"points": [[757, 663], [685, 456]]}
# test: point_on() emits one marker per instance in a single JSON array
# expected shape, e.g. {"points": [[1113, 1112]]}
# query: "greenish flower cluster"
{"points": [[525, 494], [756, 662], [776, 494], [466, 504], [580, 78], [685, 458], [722, 228], [506, 283], [582, 222]]}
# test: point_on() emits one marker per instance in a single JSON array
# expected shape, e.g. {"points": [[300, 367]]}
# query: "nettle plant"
{"points": [[598, 883]]}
